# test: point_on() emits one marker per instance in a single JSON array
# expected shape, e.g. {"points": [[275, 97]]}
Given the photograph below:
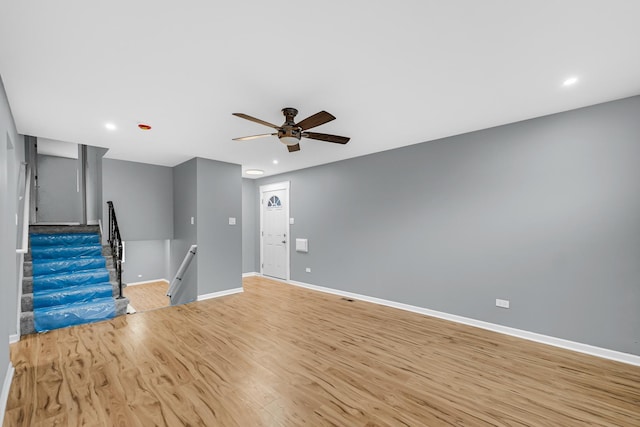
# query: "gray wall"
{"points": [[142, 196], [94, 183], [145, 260], [185, 233], [11, 154], [210, 192], [156, 203], [58, 198], [249, 226], [219, 197], [543, 213]]}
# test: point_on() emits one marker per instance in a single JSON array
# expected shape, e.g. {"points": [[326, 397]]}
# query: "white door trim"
{"points": [[271, 187]]}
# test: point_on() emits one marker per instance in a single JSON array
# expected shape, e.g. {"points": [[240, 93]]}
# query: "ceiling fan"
{"points": [[291, 132]]}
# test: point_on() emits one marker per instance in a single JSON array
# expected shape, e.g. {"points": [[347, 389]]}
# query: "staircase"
{"points": [[69, 279]]}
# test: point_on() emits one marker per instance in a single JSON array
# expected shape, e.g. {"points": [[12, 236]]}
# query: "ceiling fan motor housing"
{"points": [[289, 133], [289, 114]]}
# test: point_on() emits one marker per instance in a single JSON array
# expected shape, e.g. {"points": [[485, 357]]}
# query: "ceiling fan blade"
{"points": [[247, 138], [293, 148], [328, 138], [253, 119], [316, 120]]}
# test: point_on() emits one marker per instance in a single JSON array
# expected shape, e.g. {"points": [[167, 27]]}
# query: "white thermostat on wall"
{"points": [[302, 245]]}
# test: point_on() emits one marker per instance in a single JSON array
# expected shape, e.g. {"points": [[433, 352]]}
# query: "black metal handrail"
{"points": [[115, 241]]}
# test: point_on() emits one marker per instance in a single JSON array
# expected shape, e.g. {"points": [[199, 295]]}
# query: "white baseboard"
{"points": [[4, 396], [14, 338], [57, 223], [146, 282], [251, 274], [220, 294], [605, 353], [19, 301]]}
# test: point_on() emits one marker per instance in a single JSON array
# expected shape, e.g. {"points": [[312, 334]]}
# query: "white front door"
{"points": [[275, 230]]}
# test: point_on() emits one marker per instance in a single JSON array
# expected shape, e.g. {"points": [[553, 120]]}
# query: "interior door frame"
{"points": [[284, 185]]}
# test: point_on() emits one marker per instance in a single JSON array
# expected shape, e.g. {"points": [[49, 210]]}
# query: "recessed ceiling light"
{"points": [[275, 162], [254, 172], [570, 81], [110, 126]]}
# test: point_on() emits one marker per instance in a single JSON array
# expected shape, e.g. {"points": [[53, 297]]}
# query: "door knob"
{"points": [[284, 241]]}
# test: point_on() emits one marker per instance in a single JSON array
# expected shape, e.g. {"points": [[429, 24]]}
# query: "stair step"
{"points": [[46, 319], [106, 252], [26, 301], [73, 294], [28, 265], [57, 281], [48, 266], [27, 285], [27, 281], [26, 318], [66, 251], [64, 229], [64, 239]]}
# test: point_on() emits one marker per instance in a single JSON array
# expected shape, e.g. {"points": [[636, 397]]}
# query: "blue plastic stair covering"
{"points": [[70, 282], [49, 318], [58, 281], [48, 266], [64, 239], [75, 294], [48, 252]]}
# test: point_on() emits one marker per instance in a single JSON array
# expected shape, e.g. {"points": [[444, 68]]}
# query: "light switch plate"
{"points": [[232, 221], [502, 303], [291, 221]]}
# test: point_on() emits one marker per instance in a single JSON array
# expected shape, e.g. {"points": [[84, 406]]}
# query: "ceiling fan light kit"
{"points": [[290, 132]]}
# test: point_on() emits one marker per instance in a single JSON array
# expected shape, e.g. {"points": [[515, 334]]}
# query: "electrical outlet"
{"points": [[308, 270], [502, 303]]}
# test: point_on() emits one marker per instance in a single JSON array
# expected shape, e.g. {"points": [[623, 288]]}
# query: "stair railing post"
{"points": [[115, 241], [119, 269], [110, 223]]}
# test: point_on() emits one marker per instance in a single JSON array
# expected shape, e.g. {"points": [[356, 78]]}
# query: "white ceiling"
{"points": [[51, 147], [393, 73]]}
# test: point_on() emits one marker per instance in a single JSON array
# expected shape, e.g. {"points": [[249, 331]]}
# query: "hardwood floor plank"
{"points": [[111, 387], [24, 359], [278, 355], [148, 296], [21, 416]]}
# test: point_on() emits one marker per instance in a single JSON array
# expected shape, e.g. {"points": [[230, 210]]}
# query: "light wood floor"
{"points": [[149, 296], [278, 355]]}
